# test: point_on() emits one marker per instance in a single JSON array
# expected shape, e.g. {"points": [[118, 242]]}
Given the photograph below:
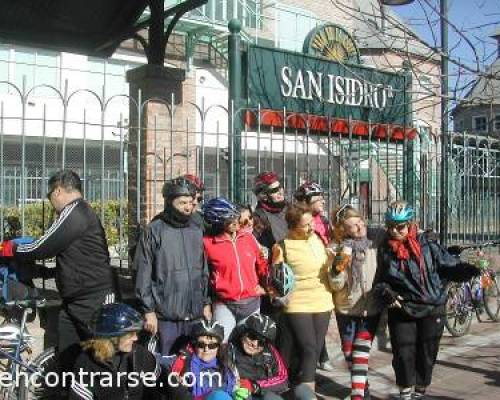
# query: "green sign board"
{"points": [[278, 80]]}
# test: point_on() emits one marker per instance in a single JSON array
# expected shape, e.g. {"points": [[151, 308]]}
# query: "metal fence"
{"points": [[100, 138]]}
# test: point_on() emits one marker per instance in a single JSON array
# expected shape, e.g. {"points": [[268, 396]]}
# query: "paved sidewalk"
{"points": [[467, 368]]}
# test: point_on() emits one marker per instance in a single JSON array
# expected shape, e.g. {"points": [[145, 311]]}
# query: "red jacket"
{"points": [[236, 267]]}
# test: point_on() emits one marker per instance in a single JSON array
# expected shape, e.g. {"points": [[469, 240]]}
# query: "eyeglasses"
{"points": [[199, 199], [340, 213], [207, 346], [254, 337]]}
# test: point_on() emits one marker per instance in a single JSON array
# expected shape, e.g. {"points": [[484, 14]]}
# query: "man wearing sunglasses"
{"points": [[77, 240], [270, 209], [197, 198]]}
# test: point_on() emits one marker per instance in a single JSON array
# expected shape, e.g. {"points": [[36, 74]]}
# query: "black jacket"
{"points": [[77, 240], [275, 226], [423, 294], [105, 377], [172, 273]]}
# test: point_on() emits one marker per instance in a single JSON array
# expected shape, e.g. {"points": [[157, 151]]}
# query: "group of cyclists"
{"points": [[248, 293]]}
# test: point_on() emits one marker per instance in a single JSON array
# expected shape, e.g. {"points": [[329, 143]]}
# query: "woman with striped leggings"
{"points": [[357, 309]]}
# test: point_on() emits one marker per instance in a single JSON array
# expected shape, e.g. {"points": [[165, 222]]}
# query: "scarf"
{"points": [[272, 207], [356, 279], [408, 248], [174, 217], [201, 386]]}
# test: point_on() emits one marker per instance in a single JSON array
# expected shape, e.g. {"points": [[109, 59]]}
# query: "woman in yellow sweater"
{"points": [[309, 306]]}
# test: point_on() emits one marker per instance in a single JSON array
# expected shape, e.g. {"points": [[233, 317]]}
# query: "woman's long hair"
{"points": [[339, 216]]}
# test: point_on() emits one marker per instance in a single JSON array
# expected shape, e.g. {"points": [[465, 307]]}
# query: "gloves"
{"points": [[7, 248], [390, 297], [24, 240], [469, 271], [253, 387], [241, 394]]}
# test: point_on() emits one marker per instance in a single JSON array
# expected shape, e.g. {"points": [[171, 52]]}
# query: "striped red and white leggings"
{"points": [[356, 334]]}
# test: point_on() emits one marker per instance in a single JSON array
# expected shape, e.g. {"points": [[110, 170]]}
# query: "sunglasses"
{"points": [[274, 190], [199, 198], [398, 227], [207, 346], [254, 337]]}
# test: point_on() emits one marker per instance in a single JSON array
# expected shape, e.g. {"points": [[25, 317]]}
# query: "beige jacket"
{"points": [[358, 301]]}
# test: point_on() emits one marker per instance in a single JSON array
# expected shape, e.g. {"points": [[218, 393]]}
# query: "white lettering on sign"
{"points": [[310, 85]]}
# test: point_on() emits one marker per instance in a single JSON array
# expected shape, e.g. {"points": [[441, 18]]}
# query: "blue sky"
{"points": [[476, 19]]}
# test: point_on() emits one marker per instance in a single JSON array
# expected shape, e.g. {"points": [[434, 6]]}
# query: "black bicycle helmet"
{"points": [[204, 327], [178, 187], [116, 319], [261, 325]]}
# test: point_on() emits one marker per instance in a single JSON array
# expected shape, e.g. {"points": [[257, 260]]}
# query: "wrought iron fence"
{"points": [[100, 138]]}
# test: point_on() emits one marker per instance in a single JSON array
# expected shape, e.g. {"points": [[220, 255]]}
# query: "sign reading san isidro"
{"points": [[278, 80]]}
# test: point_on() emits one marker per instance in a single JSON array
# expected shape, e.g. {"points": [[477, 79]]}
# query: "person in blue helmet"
{"points": [[411, 276], [238, 269], [112, 365]]}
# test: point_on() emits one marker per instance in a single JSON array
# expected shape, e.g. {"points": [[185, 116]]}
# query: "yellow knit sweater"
{"points": [[309, 261]]}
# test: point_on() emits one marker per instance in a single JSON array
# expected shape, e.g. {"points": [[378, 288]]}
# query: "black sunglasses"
{"points": [[207, 346], [254, 337]]}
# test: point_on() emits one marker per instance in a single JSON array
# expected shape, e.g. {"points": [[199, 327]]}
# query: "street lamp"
{"points": [[443, 204]]}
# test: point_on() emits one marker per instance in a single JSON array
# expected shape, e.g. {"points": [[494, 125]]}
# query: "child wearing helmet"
{"points": [[238, 269], [112, 355], [357, 308], [257, 363], [412, 275], [209, 378]]}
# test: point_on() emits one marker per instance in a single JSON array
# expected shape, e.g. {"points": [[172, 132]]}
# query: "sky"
{"points": [[475, 19]]}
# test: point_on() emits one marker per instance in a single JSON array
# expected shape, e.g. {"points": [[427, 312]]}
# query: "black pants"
{"points": [[74, 324], [309, 331], [415, 345]]}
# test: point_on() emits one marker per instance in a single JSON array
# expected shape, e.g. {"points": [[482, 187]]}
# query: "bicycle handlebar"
{"points": [[28, 303], [457, 249]]}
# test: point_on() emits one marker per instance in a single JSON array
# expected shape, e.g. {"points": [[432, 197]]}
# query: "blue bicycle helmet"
{"points": [[219, 210], [116, 319], [282, 278], [399, 212]]}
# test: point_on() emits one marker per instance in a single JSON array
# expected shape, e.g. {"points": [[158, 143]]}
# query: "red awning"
{"points": [[272, 118]]}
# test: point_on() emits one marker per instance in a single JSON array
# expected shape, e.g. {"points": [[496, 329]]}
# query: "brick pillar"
{"points": [[156, 85]]}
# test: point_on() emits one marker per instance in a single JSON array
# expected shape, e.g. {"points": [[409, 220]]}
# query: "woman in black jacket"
{"points": [[411, 276], [112, 366]]}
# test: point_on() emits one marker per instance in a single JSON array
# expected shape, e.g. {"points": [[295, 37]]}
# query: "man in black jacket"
{"points": [[77, 239], [172, 274]]}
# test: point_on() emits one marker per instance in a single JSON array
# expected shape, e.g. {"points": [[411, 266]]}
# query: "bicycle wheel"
{"points": [[458, 317], [46, 365], [491, 300]]}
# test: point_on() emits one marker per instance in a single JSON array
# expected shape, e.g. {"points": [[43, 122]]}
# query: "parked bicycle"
{"points": [[27, 376], [479, 295]]}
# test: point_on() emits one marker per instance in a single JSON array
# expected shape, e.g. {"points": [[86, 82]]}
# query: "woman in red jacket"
{"points": [[238, 271]]}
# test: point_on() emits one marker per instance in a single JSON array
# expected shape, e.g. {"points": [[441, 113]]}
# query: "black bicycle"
{"points": [[479, 295]]}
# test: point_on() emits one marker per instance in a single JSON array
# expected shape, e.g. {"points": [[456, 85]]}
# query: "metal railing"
{"points": [[100, 144]]}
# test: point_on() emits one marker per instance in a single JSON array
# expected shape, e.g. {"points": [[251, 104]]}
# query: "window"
{"points": [[496, 123], [459, 125], [293, 25], [479, 124], [247, 11]]}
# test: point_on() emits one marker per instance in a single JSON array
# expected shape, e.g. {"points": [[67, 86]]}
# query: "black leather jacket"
{"points": [[172, 273]]}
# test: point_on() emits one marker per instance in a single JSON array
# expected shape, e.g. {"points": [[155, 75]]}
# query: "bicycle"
{"points": [[478, 295], [16, 346]]}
